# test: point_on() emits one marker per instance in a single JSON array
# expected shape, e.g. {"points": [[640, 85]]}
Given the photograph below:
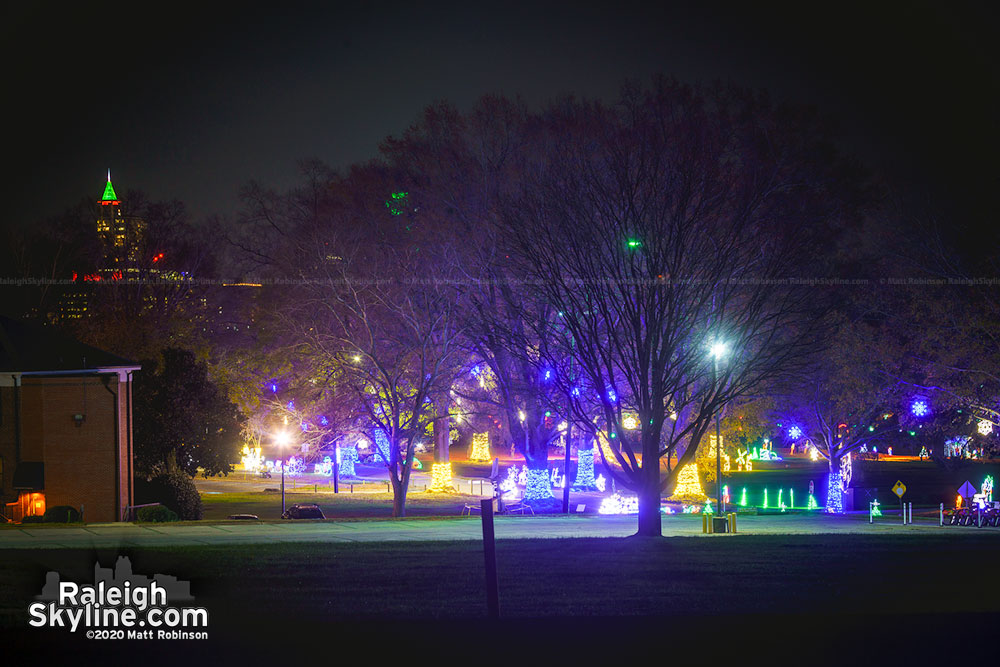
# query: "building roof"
{"points": [[109, 190], [28, 348]]}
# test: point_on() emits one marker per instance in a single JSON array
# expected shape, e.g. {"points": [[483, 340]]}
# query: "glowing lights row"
{"points": [[811, 503], [618, 504]]}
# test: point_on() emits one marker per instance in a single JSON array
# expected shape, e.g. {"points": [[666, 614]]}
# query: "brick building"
{"points": [[65, 425]]}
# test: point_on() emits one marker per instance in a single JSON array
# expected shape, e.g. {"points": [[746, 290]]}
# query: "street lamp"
{"points": [[718, 351], [282, 439]]}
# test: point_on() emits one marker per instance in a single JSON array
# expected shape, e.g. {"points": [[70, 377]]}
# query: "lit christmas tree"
{"points": [[875, 510], [585, 471], [538, 486], [348, 457], [382, 443], [688, 489], [441, 478], [480, 447], [834, 494]]}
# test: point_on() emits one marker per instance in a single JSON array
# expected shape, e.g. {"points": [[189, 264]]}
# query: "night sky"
{"points": [[191, 102]]}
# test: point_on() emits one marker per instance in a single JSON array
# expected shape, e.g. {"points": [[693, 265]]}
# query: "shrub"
{"points": [[156, 514], [61, 514], [173, 489]]}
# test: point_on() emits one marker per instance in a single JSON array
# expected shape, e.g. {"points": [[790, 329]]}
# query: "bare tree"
{"points": [[370, 307], [656, 230], [456, 168]]}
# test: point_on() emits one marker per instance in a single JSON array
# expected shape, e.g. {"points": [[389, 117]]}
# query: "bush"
{"points": [[156, 514], [61, 514], [173, 489]]}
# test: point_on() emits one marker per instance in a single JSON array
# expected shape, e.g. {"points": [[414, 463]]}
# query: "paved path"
{"points": [[132, 535]]}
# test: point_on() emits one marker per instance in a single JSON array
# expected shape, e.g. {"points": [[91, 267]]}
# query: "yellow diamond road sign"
{"points": [[899, 488]]}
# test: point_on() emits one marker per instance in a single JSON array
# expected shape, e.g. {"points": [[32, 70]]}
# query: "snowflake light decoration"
{"points": [[919, 408], [601, 483]]}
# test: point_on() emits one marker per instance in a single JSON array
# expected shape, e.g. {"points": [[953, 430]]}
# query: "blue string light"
{"points": [[834, 494], [585, 470]]}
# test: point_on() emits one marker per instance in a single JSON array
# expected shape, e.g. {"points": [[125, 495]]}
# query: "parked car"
{"points": [[305, 511]]}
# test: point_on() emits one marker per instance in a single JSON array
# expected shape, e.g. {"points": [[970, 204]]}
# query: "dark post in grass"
{"points": [[565, 507], [490, 553], [336, 470]]}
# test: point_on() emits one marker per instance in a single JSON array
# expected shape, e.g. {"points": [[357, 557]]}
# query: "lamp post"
{"points": [[281, 439], [718, 350], [569, 431]]}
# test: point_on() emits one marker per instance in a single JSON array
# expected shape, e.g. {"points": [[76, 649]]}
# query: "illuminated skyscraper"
{"points": [[121, 235]]}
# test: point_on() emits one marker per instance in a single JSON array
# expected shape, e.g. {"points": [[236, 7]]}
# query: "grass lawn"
{"points": [[760, 588], [218, 506]]}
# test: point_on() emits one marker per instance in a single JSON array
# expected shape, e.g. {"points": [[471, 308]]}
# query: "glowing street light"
{"points": [[282, 439], [718, 351]]}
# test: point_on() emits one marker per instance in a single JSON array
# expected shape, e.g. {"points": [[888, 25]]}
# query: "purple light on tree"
{"points": [[919, 408]]}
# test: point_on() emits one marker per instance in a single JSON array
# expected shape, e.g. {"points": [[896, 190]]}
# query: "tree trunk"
{"points": [[441, 439], [650, 519], [398, 499]]}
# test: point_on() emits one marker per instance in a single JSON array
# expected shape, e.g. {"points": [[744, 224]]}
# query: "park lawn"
{"points": [[740, 574], [409, 598], [340, 506]]}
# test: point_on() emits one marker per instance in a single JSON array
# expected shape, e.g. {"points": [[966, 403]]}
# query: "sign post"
{"points": [[967, 491], [899, 489]]}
